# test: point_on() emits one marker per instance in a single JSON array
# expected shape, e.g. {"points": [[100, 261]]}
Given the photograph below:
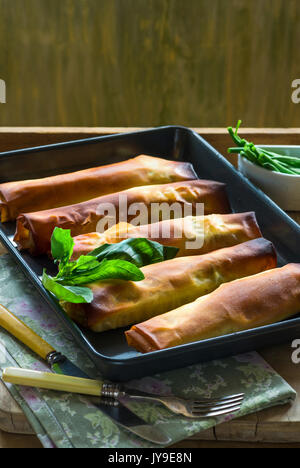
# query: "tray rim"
{"points": [[72, 326]]}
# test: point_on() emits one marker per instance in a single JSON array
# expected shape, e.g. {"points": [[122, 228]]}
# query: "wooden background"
{"points": [[149, 62]]}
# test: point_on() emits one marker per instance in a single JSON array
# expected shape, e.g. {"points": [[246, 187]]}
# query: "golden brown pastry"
{"points": [[169, 284], [251, 302], [67, 189], [34, 230], [193, 235]]}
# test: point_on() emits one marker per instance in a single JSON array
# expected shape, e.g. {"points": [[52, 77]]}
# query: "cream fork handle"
{"points": [[63, 383]]}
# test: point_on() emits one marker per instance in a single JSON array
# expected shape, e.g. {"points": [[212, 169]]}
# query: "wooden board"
{"points": [[20, 137], [12, 419], [275, 425], [127, 62]]}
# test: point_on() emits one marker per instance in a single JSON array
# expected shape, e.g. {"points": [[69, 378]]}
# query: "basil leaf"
{"points": [[110, 261], [67, 293], [105, 270], [85, 262], [139, 251], [62, 245], [120, 269]]}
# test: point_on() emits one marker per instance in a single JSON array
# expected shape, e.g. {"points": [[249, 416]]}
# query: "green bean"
{"points": [[262, 157], [237, 149], [295, 162]]}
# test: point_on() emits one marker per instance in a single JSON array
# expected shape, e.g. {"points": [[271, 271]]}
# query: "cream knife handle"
{"points": [[63, 383], [19, 330]]}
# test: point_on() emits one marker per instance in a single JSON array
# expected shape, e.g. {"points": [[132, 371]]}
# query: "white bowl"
{"points": [[283, 189]]}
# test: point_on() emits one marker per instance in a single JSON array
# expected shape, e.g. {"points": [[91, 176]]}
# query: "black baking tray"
{"points": [[109, 350]]}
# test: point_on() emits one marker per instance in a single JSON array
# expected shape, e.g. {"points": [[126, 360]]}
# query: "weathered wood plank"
{"points": [[12, 419], [149, 62], [18, 441], [19, 137]]}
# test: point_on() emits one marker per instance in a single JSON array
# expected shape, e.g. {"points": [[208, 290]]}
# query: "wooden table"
{"points": [[274, 427]]}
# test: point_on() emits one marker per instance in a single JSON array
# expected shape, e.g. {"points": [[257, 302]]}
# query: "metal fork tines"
{"points": [[205, 408], [216, 407]]}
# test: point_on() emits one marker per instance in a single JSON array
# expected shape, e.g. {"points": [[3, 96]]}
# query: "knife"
{"points": [[59, 364]]}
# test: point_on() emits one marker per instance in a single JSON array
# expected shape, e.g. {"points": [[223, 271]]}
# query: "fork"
{"points": [[205, 408], [113, 394]]}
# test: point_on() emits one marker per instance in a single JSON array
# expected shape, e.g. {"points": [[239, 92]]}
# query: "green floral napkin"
{"points": [[72, 421]]}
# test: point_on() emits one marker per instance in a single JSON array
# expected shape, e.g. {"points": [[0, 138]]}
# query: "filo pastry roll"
{"points": [[34, 230], [66, 189], [168, 285], [192, 235], [251, 302]]}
